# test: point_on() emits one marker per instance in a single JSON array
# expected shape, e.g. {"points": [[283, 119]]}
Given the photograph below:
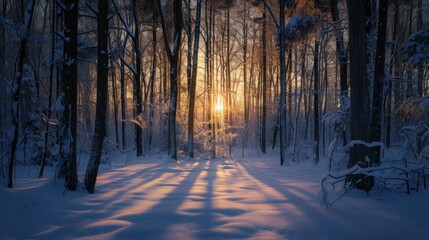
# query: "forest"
{"points": [[210, 79], [235, 94]]}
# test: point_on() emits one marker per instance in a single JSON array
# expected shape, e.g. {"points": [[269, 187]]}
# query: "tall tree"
{"points": [[194, 81], [121, 47], [280, 23], [228, 78], [137, 92], [173, 57], [316, 90], [136, 71], [378, 84], [3, 88], [420, 72], [102, 89], [210, 25], [68, 138], [19, 74], [245, 95], [394, 69], [316, 95], [264, 83], [51, 80], [283, 116], [341, 54], [153, 72], [358, 89]]}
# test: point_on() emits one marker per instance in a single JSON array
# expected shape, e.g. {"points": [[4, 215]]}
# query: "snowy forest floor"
{"points": [[234, 198]]}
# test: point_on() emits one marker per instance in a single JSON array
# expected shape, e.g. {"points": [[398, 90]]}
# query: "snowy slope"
{"points": [[206, 199]]}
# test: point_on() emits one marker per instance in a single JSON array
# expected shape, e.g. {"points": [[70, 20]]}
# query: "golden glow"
{"points": [[219, 107], [219, 104]]}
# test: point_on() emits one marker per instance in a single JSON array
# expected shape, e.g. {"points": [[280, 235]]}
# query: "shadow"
{"points": [[207, 199], [299, 205], [122, 197], [159, 221]]}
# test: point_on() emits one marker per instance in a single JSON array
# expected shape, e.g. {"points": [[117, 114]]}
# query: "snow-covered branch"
{"points": [[122, 19]]}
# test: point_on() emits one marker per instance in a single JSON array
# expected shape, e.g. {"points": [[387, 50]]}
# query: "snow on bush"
{"points": [[417, 135], [416, 48], [299, 26], [338, 118]]}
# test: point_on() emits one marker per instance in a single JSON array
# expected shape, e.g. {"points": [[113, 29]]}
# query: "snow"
{"points": [[299, 26], [416, 47], [232, 198]]}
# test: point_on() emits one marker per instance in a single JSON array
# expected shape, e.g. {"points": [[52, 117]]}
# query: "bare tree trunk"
{"points": [[59, 21], [115, 106], [137, 82], [306, 95], [359, 90], [211, 79], [245, 95], [298, 105], [410, 90], [188, 26], [51, 79], [173, 57], [3, 88], [341, 53], [264, 83], [308, 107], [152, 78], [325, 96], [123, 96], [102, 90], [228, 84], [194, 81], [388, 98], [283, 116], [420, 65], [208, 23], [289, 102], [19, 72], [377, 95], [68, 139], [316, 102], [395, 72]]}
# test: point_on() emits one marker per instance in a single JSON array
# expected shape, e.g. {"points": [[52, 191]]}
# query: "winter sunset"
{"points": [[214, 119]]}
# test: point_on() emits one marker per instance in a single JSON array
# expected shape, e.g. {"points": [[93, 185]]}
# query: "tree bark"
{"points": [[194, 81], [152, 77], [123, 96], [173, 57], [341, 53], [316, 102], [264, 83], [359, 90], [51, 79], [101, 105], [115, 106], [393, 87], [245, 95], [228, 84], [377, 95], [420, 72], [282, 103], [137, 83], [19, 72], [68, 139]]}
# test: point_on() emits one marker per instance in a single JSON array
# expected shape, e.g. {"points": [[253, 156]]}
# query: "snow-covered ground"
{"points": [[236, 198]]}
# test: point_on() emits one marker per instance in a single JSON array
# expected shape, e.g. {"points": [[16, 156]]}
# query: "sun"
{"points": [[219, 106]]}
